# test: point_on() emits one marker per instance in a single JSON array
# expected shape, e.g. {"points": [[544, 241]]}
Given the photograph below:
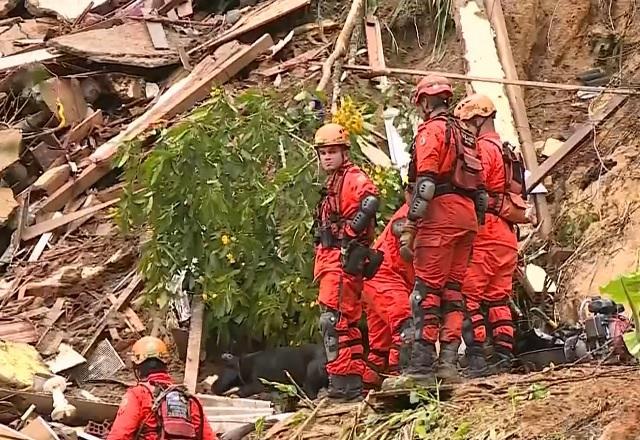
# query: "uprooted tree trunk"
{"points": [[342, 43]]}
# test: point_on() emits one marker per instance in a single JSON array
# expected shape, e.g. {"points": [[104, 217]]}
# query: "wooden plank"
{"points": [[396, 71], [18, 331], [34, 56], [180, 97], [83, 129], [304, 57], [210, 400], [74, 225], [86, 409], [193, 349], [156, 33], [56, 312], [516, 99], [258, 18], [135, 320], [578, 136], [38, 249], [50, 225], [123, 300], [16, 237], [374, 42]]}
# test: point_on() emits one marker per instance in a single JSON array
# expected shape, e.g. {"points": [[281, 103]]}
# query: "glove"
{"points": [[530, 213], [407, 239]]}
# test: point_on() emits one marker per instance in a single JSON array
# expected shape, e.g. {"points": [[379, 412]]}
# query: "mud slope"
{"points": [[576, 404], [596, 192]]}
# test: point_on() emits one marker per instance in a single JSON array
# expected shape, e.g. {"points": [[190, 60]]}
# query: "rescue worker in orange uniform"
{"points": [[156, 409], [344, 225], [439, 232], [488, 281], [386, 302]]}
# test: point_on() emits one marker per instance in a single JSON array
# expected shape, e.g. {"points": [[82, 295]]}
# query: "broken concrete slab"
{"points": [[116, 45], [68, 10], [10, 141], [7, 205]]}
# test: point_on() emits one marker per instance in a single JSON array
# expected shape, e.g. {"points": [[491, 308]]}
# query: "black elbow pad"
{"points": [[367, 212]]}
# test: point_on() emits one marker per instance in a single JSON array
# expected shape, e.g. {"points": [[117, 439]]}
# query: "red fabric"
{"points": [[340, 291], [489, 279], [135, 408], [441, 258], [388, 291], [495, 229], [379, 335], [434, 157], [355, 186]]}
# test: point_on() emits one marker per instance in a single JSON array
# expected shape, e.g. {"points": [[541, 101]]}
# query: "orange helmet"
{"points": [[149, 347], [432, 85], [331, 134], [474, 105]]}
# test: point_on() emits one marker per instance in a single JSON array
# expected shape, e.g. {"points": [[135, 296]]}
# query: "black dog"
{"points": [[305, 364]]}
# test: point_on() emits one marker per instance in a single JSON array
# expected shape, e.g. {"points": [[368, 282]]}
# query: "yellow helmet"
{"points": [[331, 134], [149, 347], [474, 105]]}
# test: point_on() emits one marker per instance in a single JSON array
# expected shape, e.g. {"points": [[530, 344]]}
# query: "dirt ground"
{"points": [[577, 404]]}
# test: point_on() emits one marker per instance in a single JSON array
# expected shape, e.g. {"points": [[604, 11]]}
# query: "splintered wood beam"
{"points": [[493, 10], [193, 348], [122, 302], [396, 71], [574, 141]]}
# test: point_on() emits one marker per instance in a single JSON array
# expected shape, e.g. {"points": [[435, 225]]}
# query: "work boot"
{"points": [[448, 362], [344, 388], [419, 371], [501, 360], [477, 362]]}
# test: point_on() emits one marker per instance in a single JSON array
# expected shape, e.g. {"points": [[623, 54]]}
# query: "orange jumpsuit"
{"points": [[495, 252], [136, 408], [340, 291], [444, 237], [386, 302]]}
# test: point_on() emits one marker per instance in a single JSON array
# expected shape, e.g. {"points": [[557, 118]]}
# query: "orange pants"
{"points": [[488, 282], [441, 257], [340, 293]]}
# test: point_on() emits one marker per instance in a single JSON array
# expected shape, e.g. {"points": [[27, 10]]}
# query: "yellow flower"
{"points": [[383, 191], [225, 239], [231, 258]]}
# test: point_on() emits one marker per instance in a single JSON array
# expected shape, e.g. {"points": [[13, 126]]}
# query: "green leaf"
{"points": [[624, 289], [632, 342]]}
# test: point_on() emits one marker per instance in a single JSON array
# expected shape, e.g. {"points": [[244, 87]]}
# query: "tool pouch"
{"points": [[354, 257], [481, 204], [375, 259]]}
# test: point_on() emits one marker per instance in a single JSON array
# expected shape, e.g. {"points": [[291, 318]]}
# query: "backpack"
{"points": [[172, 409], [467, 168], [511, 204], [466, 174]]}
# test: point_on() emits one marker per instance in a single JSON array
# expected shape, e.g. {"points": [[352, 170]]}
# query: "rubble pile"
{"points": [[77, 80]]}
